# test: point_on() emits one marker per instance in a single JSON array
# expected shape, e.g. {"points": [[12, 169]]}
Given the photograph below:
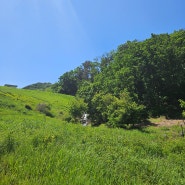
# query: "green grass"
{"points": [[13, 101], [35, 149]]}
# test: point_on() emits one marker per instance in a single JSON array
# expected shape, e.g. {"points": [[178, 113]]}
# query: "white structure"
{"points": [[85, 119]]}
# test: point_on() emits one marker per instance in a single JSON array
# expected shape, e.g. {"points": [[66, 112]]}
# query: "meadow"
{"points": [[38, 149]]}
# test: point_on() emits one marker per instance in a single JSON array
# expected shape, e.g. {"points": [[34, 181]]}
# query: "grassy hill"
{"points": [[38, 149], [26, 102], [39, 86]]}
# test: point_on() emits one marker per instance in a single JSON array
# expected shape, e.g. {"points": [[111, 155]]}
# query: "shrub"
{"points": [[77, 108], [125, 111], [45, 109], [99, 109], [182, 104]]}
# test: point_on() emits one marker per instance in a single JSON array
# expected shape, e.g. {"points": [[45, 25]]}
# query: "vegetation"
{"points": [[45, 109], [182, 104], [70, 81], [77, 108], [39, 145], [21, 102], [39, 86], [37, 149], [152, 71]]}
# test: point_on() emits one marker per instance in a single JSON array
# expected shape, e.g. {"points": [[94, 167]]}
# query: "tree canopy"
{"points": [[151, 71], [38, 86]]}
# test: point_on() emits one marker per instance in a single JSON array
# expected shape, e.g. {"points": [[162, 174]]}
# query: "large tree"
{"points": [[68, 83], [151, 71]]}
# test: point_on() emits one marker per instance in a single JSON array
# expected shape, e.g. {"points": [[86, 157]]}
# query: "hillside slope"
{"points": [[29, 102], [36, 149], [38, 86]]}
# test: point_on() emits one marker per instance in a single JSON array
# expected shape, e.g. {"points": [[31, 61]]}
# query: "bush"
{"points": [[125, 111], [182, 105], [99, 109], [116, 112], [45, 109], [77, 108]]}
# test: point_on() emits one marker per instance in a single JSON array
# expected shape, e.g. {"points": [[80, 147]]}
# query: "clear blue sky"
{"points": [[42, 39]]}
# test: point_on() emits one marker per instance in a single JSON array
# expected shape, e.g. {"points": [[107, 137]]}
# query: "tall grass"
{"points": [[36, 149], [53, 152], [17, 101]]}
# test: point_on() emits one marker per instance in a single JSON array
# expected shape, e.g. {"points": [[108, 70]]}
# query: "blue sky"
{"points": [[42, 39]]}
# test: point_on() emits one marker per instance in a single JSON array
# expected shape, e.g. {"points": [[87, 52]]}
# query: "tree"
{"points": [[125, 111], [68, 83], [106, 59], [99, 107], [77, 108], [151, 71], [87, 71], [71, 81]]}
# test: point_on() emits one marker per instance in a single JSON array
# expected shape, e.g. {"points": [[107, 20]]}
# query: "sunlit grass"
{"points": [[13, 101], [36, 149]]}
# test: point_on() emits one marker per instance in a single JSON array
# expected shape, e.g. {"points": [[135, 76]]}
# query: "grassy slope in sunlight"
{"points": [[14, 101], [48, 151]]}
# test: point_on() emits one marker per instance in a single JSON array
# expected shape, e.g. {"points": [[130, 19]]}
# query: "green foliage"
{"points": [[99, 108], [44, 108], [153, 70], [125, 111], [7, 145], [36, 149], [86, 91], [116, 112], [56, 87], [77, 108], [68, 83], [37, 152], [182, 104], [19, 102], [71, 81], [38, 86], [87, 71]]}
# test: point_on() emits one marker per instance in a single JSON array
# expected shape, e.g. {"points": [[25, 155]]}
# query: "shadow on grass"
{"points": [[141, 127]]}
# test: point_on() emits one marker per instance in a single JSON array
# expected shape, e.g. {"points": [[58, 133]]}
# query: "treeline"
{"points": [[39, 86], [139, 79]]}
